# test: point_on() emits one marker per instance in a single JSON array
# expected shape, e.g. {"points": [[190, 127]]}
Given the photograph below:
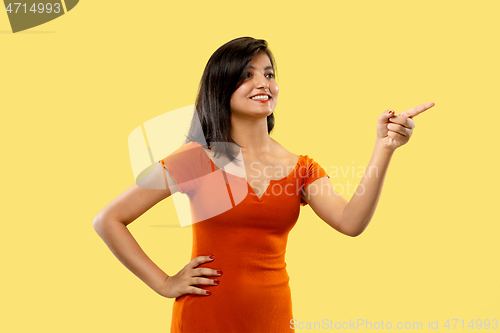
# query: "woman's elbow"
{"points": [[98, 223], [354, 234], [353, 231]]}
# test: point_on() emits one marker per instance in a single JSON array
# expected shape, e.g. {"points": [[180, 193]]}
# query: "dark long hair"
{"points": [[211, 124]]}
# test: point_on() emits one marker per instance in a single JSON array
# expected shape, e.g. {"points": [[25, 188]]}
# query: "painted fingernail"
{"points": [[208, 292], [219, 272], [211, 257], [391, 112]]}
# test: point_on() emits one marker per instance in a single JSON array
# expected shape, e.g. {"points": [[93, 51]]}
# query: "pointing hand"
{"points": [[394, 130]]}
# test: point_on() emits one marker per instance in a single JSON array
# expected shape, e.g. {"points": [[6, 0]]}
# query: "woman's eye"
{"points": [[248, 74]]}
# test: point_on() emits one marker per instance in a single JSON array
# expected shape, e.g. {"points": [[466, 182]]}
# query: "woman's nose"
{"points": [[261, 81]]}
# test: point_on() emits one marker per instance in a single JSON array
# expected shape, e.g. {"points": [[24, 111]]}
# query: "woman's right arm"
{"points": [[111, 225]]}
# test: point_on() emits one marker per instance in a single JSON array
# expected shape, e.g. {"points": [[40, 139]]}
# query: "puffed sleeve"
{"points": [[187, 165], [312, 171]]}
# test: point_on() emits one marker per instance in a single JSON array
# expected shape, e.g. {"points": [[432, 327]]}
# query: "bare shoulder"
{"points": [[283, 153]]}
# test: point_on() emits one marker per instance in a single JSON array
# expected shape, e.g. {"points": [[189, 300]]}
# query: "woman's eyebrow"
{"points": [[268, 67]]}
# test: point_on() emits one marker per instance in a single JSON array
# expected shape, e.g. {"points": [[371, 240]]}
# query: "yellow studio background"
{"points": [[74, 88]]}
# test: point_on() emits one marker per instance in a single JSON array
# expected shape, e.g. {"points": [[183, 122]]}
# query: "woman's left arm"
{"points": [[352, 218]]}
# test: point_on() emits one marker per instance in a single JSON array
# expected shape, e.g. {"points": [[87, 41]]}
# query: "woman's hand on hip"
{"points": [[191, 275]]}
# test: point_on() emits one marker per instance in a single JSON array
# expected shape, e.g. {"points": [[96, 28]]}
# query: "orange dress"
{"points": [[249, 244]]}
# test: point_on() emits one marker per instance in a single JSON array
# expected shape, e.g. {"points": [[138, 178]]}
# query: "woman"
{"points": [[237, 280]]}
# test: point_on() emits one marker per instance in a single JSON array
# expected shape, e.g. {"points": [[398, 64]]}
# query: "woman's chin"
{"points": [[255, 113]]}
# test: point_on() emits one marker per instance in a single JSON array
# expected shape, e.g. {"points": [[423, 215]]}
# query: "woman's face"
{"points": [[259, 80]]}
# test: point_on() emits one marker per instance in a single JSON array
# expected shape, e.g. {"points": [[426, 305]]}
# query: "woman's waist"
{"points": [[262, 259], [247, 271], [269, 269], [242, 290], [259, 273]]}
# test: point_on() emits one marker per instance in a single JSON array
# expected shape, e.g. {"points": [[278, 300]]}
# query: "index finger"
{"points": [[416, 110]]}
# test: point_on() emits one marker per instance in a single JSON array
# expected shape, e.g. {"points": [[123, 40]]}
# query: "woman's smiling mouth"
{"points": [[261, 98]]}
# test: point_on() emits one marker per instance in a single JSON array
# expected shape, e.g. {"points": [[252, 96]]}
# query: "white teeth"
{"points": [[260, 97]]}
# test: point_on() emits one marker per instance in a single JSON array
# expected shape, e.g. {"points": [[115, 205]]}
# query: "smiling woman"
{"points": [[258, 93], [241, 224], [246, 234], [227, 86]]}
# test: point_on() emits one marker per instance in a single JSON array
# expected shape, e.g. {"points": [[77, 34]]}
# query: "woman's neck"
{"points": [[252, 135]]}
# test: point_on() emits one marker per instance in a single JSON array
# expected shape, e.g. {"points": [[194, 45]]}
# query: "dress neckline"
{"points": [[275, 181], [253, 193]]}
